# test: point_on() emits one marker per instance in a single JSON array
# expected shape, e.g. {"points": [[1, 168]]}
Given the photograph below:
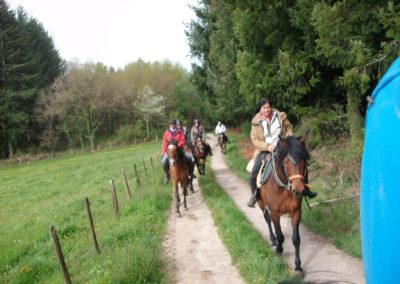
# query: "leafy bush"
{"points": [[325, 127]]}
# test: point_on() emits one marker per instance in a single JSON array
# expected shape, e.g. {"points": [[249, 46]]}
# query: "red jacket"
{"points": [[168, 136]]}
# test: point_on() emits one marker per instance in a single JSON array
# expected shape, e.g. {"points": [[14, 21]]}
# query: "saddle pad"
{"points": [[264, 172]]}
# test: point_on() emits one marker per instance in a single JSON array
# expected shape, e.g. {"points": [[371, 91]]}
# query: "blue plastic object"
{"points": [[380, 182]]}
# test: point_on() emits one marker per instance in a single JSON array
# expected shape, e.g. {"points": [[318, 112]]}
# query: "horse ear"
{"points": [[282, 140], [303, 138]]}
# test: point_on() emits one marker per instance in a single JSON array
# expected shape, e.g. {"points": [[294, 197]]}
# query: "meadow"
{"points": [[38, 194]]}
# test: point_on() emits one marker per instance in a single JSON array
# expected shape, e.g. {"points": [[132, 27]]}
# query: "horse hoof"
{"points": [[299, 272]]}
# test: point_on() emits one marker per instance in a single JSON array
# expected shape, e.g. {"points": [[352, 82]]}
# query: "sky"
{"points": [[115, 32]]}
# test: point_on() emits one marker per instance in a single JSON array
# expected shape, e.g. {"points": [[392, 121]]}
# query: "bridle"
{"points": [[288, 185], [174, 158]]}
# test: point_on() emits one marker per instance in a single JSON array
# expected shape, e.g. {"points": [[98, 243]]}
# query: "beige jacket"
{"points": [[257, 131]]}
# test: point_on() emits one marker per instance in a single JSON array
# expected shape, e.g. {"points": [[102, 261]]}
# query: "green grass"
{"points": [[51, 192], [338, 222], [251, 254]]}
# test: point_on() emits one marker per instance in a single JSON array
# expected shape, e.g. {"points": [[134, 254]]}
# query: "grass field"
{"points": [[51, 192], [338, 221]]}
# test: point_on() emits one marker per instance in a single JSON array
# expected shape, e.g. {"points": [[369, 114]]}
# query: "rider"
{"points": [[173, 133], [198, 131], [266, 127], [182, 128], [220, 129]]}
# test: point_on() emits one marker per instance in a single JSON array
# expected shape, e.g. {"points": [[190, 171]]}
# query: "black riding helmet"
{"points": [[196, 121]]}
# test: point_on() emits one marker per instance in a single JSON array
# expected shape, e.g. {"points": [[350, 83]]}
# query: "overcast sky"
{"points": [[115, 32]]}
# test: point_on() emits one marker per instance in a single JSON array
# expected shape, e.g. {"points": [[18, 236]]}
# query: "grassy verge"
{"points": [[36, 195], [250, 253], [338, 221]]}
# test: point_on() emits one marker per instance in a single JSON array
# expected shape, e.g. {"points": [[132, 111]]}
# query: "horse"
{"points": [[222, 141], [200, 152], [283, 191], [179, 172]]}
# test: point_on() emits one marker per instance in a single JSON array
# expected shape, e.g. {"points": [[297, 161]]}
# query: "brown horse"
{"points": [[283, 190], [200, 152], [222, 141], [179, 172]]}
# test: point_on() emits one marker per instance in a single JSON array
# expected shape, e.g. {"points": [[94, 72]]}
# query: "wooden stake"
{"points": [[91, 225], [144, 167], [60, 255], [128, 190], [151, 162], [136, 174], [114, 196]]}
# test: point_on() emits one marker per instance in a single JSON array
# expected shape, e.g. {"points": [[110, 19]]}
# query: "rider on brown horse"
{"points": [[198, 131], [266, 127], [220, 129], [172, 133]]}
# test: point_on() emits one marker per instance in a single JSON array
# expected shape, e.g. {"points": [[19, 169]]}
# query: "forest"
{"points": [[316, 60]]}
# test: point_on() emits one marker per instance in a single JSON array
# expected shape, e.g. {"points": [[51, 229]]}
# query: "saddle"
{"points": [[264, 172]]}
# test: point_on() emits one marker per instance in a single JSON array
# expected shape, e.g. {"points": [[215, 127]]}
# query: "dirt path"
{"points": [[197, 255], [321, 261], [193, 247]]}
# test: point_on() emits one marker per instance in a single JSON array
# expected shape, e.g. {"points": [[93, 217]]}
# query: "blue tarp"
{"points": [[380, 182]]}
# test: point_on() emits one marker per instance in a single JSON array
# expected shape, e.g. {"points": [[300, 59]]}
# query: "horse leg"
{"points": [[268, 220], [191, 185], [279, 235], [177, 199], [296, 243], [184, 196]]}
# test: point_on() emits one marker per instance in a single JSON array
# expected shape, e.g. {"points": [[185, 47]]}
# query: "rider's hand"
{"points": [[270, 148]]}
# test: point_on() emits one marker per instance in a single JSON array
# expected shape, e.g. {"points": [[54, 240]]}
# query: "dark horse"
{"points": [[222, 141], [282, 192], [179, 172], [200, 152]]}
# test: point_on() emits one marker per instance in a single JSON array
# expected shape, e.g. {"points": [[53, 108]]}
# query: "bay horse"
{"points": [[179, 172], [282, 192], [222, 141], [200, 152]]}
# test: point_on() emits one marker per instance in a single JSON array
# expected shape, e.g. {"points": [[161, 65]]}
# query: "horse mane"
{"points": [[294, 148]]}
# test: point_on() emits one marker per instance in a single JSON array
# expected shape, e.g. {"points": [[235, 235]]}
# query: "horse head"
{"points": [[172, 151], [292, 159], [200, 147]]}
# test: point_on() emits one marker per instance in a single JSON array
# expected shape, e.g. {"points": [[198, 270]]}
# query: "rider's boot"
{"points": [[166, 174], [254, 192], [307, 192]]}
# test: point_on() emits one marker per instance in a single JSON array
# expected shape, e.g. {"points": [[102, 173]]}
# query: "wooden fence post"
{"points": [[128, 190], [60, 255], [136, 174], [114, 196], [91, 225], [144, 167], [151, 162]]}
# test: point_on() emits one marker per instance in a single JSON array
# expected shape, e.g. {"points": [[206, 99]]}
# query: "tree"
{"points": [[150, 106]]}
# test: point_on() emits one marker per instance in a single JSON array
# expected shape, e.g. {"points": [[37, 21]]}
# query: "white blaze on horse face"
{"points": [[172, 160]]}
